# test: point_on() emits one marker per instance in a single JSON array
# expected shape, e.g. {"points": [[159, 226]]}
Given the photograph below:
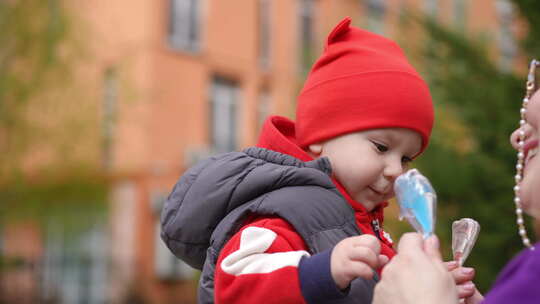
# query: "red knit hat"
{"points": [[362, 81]]}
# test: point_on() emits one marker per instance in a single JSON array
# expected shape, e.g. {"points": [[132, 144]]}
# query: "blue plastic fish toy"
{"points": [[417, 201]]}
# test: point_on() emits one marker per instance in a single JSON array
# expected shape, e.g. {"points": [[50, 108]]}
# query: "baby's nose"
{"points": [[393, 170]]}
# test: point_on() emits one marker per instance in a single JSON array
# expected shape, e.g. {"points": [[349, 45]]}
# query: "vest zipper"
{"points": [[376, 228]]}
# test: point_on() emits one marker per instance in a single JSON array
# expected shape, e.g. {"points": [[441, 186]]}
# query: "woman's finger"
{"points": [[410, 242], [431, 248]]}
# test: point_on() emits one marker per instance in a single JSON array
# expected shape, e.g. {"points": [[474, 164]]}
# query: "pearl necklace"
{"points": [[530, 86]]}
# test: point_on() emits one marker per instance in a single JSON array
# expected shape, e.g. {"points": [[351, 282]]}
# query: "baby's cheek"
{"points": [[391, 195]]}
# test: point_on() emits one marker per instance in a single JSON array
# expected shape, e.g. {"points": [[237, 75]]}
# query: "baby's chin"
{"points": [[371, 205], [369, 201]]}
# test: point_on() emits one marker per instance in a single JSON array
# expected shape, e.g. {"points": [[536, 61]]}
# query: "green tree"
{"points": [[30, 63], [529, 10], [39, 118]]}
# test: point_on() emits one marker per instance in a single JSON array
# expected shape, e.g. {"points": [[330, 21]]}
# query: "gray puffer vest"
{"points": [[212, 199]]}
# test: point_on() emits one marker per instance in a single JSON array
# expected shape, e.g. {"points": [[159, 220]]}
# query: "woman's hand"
{"points": [[416, 275]]}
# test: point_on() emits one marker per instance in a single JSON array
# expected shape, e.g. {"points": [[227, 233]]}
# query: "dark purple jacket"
{"points": [[519, 282]]}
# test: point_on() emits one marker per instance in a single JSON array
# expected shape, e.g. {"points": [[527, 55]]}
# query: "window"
{"points": [[460, 12], [184, 24], [431, 7], [264, 33], [167, 266], [263, 108], [110, 100], [122, 210], [307, 52], [75, 266], [225, 96], [506, 40], [376, 10]]}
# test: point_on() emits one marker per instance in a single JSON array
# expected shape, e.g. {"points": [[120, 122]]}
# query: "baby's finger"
{"points": [[383, 260], [462, 274], [367, 240], [359, 269], [476, 298], [364, 255], [451, 265], [466, 290]]}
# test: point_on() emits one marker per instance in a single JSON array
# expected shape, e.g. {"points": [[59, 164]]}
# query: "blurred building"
{"points": [[179, 80]]}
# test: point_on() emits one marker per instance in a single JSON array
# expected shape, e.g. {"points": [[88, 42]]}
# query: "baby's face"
{"points": [[530, 184], [367, 163]]}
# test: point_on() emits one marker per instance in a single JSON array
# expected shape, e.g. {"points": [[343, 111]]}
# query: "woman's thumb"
{"points": [[431, 248]]}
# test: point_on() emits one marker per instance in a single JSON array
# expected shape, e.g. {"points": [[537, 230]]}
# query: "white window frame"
{"points": [[109, 116], [76, 269], [265, 33], [376, 13], [506, 39], [166, 265], [431, 7], [263, 107], [225, 98], [185, 24], [460, 13], [306, 14]]}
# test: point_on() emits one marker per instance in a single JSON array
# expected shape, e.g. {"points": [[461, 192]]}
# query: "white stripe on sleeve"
{"points": [[250, 257]]}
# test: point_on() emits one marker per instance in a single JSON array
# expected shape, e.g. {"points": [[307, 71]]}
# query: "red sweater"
{"points": [[265, 261]]}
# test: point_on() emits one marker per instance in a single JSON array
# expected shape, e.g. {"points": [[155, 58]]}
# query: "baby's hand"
{"points": [[463, 276], [355, 257]]}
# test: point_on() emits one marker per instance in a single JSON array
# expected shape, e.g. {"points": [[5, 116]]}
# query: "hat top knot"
{"points": [[339, 30]]}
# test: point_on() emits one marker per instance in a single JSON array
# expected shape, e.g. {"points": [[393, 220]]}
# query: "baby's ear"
{"points": [[315, 149]]}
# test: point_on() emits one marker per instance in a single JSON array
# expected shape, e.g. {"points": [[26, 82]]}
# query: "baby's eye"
{"points": [[406, 160], [380, 147]]}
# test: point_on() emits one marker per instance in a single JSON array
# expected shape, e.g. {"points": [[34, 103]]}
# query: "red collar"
{"points": [[278, 135]]}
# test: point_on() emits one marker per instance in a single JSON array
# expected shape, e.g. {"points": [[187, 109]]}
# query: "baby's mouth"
{"points": [[378, 192]]}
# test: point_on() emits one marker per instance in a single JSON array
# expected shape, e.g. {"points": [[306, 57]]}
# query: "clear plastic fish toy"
{"points": [[417, 201], [464, 234]]}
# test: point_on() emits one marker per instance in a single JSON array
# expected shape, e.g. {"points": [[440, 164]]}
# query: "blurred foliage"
{"points": [[30, 63], [470, 161], [72, 197], [42, 176], [42, 116], [529, 10], [7, 263]]}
